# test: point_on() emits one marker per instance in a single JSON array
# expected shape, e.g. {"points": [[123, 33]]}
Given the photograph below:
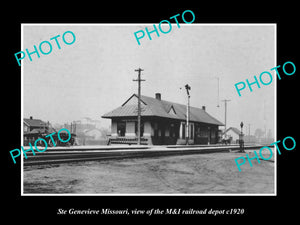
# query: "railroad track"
{"points": [[67, 155]]}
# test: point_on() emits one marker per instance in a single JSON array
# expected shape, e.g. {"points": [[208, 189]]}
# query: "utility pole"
{"points": [[225, 100], [139, 103]]}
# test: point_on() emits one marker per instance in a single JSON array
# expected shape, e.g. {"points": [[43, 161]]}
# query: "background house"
{"points": [[34, 125], [87, 130], [234, 133], [34, 129]]}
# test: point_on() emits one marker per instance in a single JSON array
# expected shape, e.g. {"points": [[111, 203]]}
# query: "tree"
{"points": [[270, 134], [259, 133], [104, 132]]}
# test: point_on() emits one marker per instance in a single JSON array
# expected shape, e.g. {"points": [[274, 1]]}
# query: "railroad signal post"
{"points": [[188, 88]]}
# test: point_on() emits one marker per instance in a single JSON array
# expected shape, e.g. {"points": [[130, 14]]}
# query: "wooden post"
{"points": [[139, 103]]}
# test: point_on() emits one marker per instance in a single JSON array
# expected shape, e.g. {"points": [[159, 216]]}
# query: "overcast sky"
{"points": [[94, 75]]}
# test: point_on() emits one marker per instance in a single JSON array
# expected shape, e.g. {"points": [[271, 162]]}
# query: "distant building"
{"points": [[250, 139], [88, 122], [234, 133], [33, 129], [34, 125], [162, 122], [94, 134]]}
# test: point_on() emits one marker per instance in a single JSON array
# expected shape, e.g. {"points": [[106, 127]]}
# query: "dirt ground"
{"points": [[214, 173]]}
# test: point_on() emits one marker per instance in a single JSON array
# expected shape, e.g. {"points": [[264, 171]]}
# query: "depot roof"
{"points": [[161, 108]]}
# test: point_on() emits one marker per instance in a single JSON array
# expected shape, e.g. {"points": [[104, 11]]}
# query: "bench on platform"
{"points": [[129, 141]]}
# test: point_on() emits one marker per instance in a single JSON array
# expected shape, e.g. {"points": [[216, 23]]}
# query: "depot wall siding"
{"points": [[161, 131], [147, 129], [130, 129], [114, 132]]}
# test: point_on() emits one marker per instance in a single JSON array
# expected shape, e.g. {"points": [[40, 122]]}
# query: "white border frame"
{"points": [[135, 24]]}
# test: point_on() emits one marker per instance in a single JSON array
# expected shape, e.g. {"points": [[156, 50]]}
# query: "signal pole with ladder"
{"points": [[139, 103], [188, 88]]}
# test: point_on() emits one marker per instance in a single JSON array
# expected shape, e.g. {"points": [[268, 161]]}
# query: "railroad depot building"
{"points": [[162, 123]]}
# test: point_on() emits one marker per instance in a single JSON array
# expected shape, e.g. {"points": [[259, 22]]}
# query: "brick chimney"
{"points": [[158, 96]]}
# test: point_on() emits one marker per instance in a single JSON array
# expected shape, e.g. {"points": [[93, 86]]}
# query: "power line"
{"points": [[249, 124], [226, 100], [218, 91]]}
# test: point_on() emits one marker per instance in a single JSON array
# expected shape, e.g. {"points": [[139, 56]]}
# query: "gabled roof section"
{"points": [[234, 129], [131, 100], [172, 110], [34, 122], [161, 108]]}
